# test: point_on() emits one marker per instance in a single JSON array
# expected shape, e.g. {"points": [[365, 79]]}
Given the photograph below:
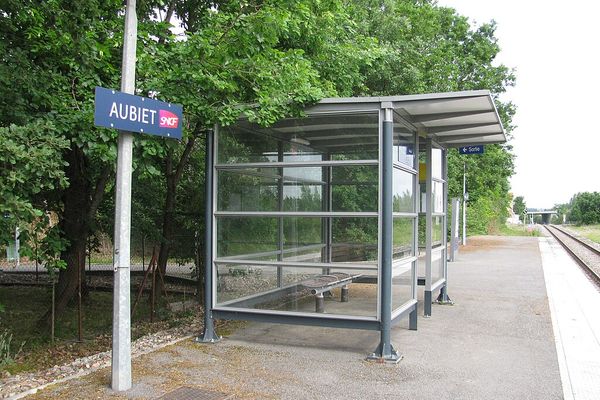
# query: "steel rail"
{"points": [[586, 268], [578, 240]]}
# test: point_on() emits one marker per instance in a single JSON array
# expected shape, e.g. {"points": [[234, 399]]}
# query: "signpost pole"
{"points": [[464, 207], [121, 342]]}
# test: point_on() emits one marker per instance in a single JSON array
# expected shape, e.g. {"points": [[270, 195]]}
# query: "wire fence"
{"points": [[28, 291]]}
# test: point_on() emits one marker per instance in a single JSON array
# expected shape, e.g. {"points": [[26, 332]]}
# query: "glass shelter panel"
{"points": [[402, 267], [405, 214], [401, 283], [437, 231], [403, 231], [436, 163], [437, 197], [437, 265], [255, 287], [335, 137], [247, 238], [271, 251], [403, 200], [353, 188], [404, 145]]}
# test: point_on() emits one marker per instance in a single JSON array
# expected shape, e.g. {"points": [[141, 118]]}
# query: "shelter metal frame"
{"points": [[438, 120]]}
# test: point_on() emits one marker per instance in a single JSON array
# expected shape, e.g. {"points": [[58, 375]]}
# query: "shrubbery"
{"points": [[585, 208]]}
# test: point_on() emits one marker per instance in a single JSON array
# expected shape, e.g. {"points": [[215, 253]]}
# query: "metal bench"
{"points": [[324, 283]]}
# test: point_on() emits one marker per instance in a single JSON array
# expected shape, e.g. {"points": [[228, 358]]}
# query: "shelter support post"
{"points": [[454, 237], [443, 296], [385, 351], [209, 335], [428, 297], [280, 233]]}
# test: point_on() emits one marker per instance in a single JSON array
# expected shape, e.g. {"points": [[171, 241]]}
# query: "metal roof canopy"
{"points": [[452, 119]]}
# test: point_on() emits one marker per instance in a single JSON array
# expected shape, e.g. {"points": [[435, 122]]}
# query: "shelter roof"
{"points": [[452, 119]]}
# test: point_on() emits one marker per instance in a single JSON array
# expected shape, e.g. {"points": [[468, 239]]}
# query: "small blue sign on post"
{"points": [[471, 149], [131, 113]]}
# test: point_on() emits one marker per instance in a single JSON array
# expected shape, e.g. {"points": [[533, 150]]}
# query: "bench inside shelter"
{"points": [[322, 284]]}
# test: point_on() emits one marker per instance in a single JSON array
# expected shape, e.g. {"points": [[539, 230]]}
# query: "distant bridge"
{"points": [[546, 215]]}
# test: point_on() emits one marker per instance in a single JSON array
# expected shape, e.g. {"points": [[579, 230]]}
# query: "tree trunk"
{"points": [[80, 204], [173, 176]]}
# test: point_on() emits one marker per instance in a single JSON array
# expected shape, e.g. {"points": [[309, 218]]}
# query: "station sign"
{"points": [[471, 149], [131, 113]]}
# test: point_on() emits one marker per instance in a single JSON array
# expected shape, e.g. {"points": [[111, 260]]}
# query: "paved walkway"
{"points": [[496, 342], [575, 305]]}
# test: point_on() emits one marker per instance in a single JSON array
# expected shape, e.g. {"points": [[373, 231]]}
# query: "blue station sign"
{"points": [[131, 113], [471, 149]]}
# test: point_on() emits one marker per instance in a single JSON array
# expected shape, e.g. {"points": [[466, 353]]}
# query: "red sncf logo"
{"points": [[167, 119]]}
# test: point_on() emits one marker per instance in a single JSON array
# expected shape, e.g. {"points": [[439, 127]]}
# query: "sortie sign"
{"points": [[471, 149], [131, 113]]}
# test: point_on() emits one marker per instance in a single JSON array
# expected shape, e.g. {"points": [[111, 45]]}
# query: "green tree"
{"points": [[519, 207], [585, 208], [52, 55], [30, 170]]}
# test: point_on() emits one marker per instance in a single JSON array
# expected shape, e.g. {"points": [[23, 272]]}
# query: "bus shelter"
{"points": [[315, 220]]}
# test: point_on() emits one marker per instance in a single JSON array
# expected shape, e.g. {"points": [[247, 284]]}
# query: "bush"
{"points": [[487, 215], [585, 208], [7, 357]]}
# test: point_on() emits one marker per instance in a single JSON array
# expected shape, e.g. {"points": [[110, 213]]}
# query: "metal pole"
{"points": [[89, 261], [36, 259], [443, 297], [121, 343], [53, 309], [427, 295], [454, 229], [464, 207], [79, 316], [280, 231], [386, 351], [143, 253], [209, 335], [17, 248], [412, 318]]}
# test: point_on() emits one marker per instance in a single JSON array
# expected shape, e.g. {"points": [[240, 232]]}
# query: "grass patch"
{"points": [[518, 230], [24, 306], [591, 232]]}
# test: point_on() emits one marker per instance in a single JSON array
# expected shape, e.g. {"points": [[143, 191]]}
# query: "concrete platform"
{"points": [[496, 342], [574, 303]]}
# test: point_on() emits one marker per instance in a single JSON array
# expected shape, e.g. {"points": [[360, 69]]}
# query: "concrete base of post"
{"points": [[208, 336], [443, 297], [379, 356]]}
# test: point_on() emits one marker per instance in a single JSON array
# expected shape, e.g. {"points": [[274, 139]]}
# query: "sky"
{"points": [[554, 47]]}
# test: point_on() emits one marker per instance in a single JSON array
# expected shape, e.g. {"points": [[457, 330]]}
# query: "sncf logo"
{"points": [[167, 119]]}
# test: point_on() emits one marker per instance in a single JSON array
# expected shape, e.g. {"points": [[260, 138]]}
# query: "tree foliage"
{"points": [[266, 59], [519, 207], [585, 208]]}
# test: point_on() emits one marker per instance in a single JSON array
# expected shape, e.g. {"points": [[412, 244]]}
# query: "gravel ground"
{"points": [[20, 385]]}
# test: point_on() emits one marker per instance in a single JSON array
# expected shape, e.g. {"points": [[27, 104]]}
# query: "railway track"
{"points": [[586, 255]]}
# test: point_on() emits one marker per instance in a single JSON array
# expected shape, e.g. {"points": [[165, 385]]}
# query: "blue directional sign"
{"points": [[131, 113], [471, 149]]}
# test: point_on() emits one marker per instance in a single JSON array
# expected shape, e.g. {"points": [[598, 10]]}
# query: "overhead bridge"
{"points": [[546, 215]]}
